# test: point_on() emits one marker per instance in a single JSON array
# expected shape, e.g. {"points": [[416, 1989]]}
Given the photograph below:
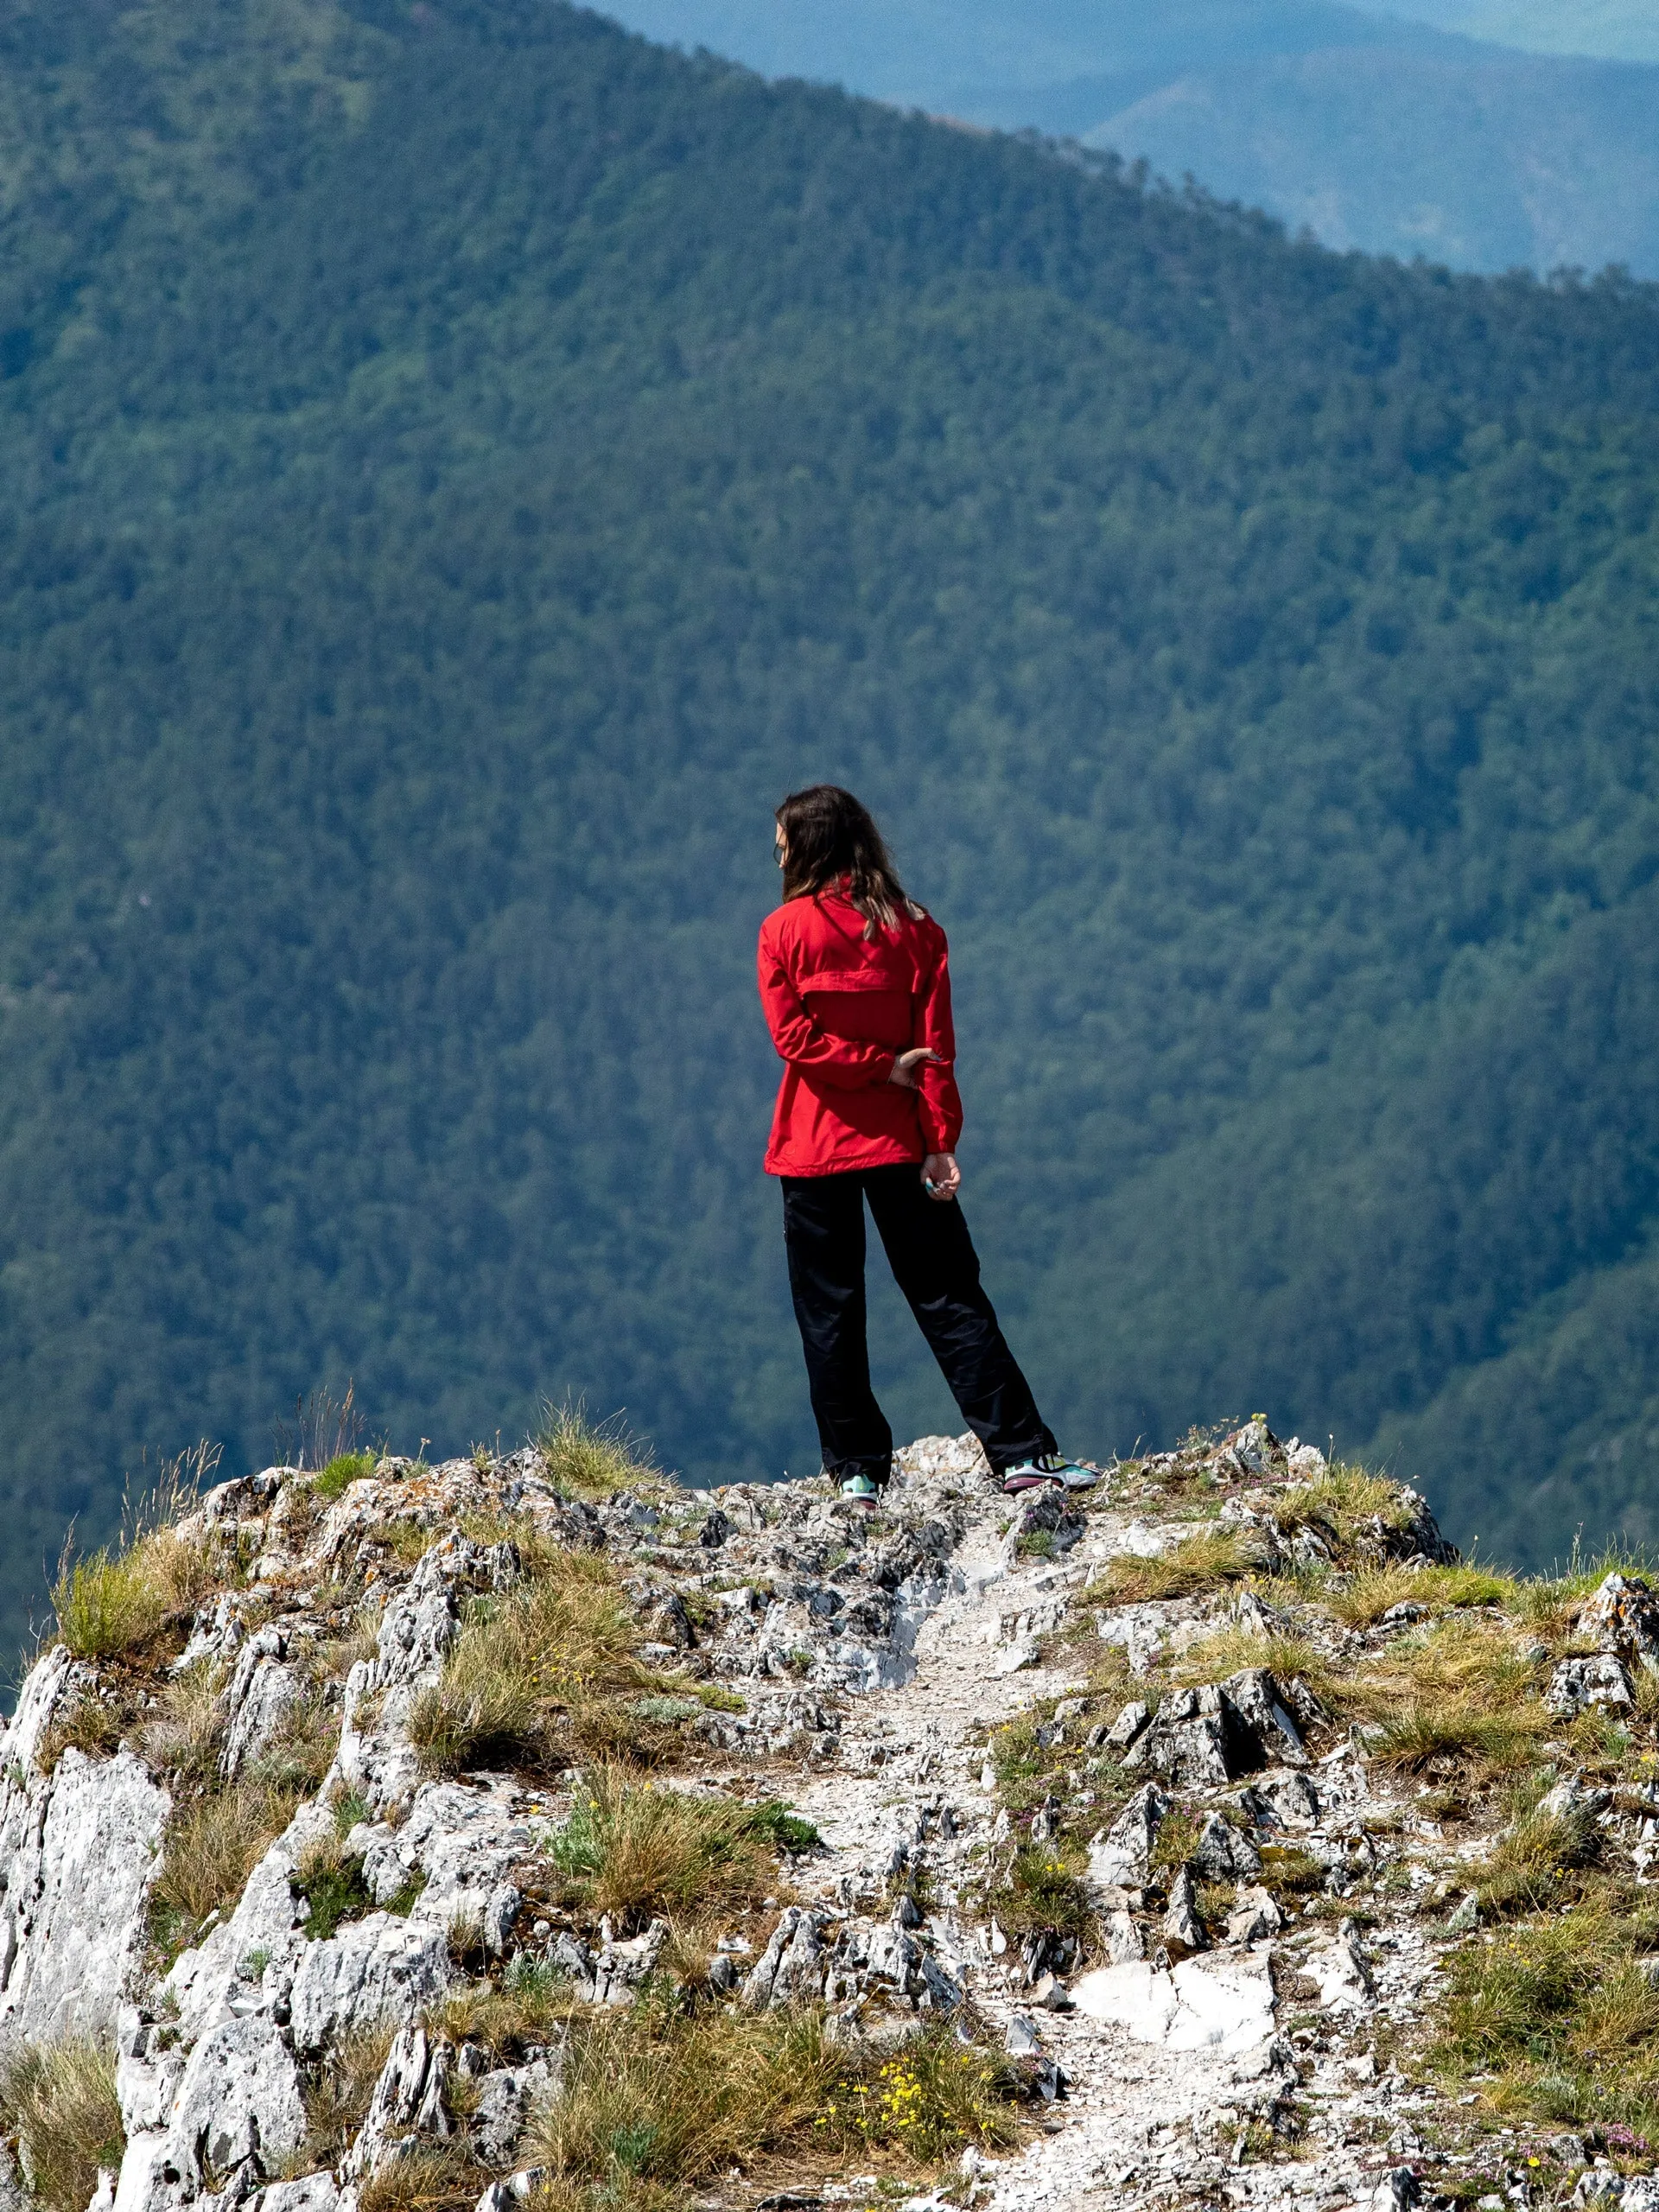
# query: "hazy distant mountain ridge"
{"points": [[1394, 136]]}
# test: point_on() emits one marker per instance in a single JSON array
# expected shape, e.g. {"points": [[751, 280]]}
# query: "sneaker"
{"points": [[1046, 1471], [860, 1490]]}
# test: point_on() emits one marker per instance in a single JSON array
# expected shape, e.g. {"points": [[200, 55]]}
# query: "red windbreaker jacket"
{"points": [[841, 1008]]}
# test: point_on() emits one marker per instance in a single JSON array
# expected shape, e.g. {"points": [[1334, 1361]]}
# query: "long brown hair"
{"points": [[829, 835]]}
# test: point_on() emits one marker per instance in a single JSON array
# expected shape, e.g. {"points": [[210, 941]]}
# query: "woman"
{"points": [[856, 987]]}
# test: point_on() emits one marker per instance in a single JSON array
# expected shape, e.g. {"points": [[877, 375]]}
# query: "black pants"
{"points": [[935, 1265]]}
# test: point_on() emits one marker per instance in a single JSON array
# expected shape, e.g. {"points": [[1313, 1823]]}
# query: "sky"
{"points": [[1612, 30]]}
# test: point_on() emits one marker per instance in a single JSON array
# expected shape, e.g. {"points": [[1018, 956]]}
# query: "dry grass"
{"points": [[554, 1655], [1533, 1861], [213, 1842], [185, 1738], [1423, 1735], [593, 1459], [652, 2105], [116, 1602], [1441, 1589], [338, 2091], [302, 1749], [530, 2003], [94, 1725], [1199, 1562], [634, 1851], [439, 2178], [1285, 1656], [59, 2102]]}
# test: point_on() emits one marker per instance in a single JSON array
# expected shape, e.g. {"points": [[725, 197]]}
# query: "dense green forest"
{"points": [[463, 465]]}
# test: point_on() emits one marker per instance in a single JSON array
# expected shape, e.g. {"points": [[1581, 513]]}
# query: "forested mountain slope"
{"points": [[1374, 132], [464, 464]]}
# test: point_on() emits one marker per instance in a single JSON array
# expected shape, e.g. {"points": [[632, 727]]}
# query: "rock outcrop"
{"points": [[1042, 1789]]}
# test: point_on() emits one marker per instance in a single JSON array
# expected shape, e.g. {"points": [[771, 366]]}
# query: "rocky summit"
{"points": [[529, 1830]]}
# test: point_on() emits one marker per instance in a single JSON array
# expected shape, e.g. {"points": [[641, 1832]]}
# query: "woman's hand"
{"points": [[907, 1066], [942, 1176]]}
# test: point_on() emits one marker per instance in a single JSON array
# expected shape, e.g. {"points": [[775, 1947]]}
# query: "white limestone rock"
{"points": [[1221, 2003], [1120, 1858], [1576, 1684], [79, 1850], [238, 2104], [372, 1966], [504, 2098], [263, 1693]]}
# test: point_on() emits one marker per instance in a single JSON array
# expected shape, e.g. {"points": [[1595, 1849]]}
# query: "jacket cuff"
{"points": [[881, 1069]]}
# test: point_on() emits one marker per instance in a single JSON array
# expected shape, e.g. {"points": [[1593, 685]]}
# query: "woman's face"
{"points": [[780, 843]]}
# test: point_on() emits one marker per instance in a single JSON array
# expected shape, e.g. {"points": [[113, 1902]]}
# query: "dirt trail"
{"points": [[1143, 2118]]}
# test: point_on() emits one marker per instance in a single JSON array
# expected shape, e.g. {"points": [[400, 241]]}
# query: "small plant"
{"points": [[330, 1880], [632, 1850], [592, 1459], [346, 1468], [1177, 1839], [926, 2101], [784, 1830], [59, 2101], [1287, 1872], [1046, 1893]]}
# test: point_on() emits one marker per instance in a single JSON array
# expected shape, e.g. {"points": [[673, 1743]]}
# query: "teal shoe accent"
{"points": [[1048, 1470], [861, 1488]]}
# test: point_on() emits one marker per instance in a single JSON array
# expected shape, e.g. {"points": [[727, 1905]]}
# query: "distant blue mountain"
{"points": [[1394, 136]]}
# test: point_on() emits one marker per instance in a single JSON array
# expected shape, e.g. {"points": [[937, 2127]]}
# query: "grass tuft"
{"points": [[634, 1851], [1199, 1562], [1441, 1589], [342, 1470], [649, 2105], [436, 2178], [1046, 1893], [212, 1844], [593, 1459], [556, 1655], [1350, 1504], [330, 1880], [339, 2089], [1422, 1734], [59, 2102]]}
